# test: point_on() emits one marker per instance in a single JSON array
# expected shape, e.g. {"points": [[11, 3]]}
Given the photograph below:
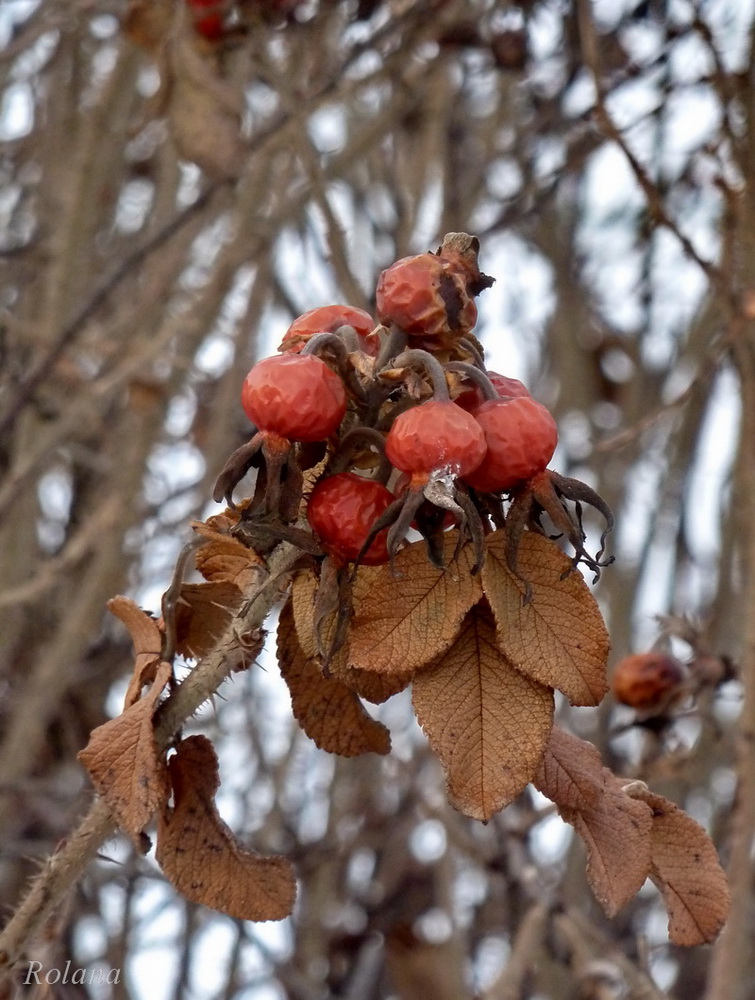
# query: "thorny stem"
{"points": [[67, 865]]}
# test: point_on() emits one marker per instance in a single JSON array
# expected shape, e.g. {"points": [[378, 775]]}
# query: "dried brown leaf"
{"points": [[571, 773], [224, 558], [328, 711], [487, 722], [374, 687], [408, 619], [559, 636], [125, 763], [686, 870], [199, 853], [143, 629], [203, 613], [147, 639], [617, 833]]}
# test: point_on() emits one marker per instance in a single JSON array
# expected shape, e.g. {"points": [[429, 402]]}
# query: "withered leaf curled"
{"points": [[571, 773], [203, 612], [616, 830], [147, 639], [369, 685], [224, 558], [686, 870], [199, 853], [125, 763]]}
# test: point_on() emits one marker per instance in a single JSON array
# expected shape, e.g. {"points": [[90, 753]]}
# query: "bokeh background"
{"points": [[169, 202]]}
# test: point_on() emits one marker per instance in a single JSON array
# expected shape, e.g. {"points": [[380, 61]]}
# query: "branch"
{"points": [[607, 125], [98, 300], [732, 953], [596, 960], [67, 865], [525, 948]]}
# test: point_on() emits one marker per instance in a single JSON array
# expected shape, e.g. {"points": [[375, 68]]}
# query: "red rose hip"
{"points": [[647, 680], [296, 396], [426, 297], [207, 18], [327, 319], [435, 436], [342, 510], [521, 436], [471, 396]]}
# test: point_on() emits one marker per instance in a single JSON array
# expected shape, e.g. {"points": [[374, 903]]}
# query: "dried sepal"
{"points": [[236, 467], [547, 493]]}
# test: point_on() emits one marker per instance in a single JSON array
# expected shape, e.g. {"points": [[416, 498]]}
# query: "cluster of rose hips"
{"points": [[381, 427]]}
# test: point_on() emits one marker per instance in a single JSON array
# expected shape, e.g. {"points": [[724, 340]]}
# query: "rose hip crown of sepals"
{"points": [[296, 396], [521, 436], [434, 436], [328, 319], [342, 509]]}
